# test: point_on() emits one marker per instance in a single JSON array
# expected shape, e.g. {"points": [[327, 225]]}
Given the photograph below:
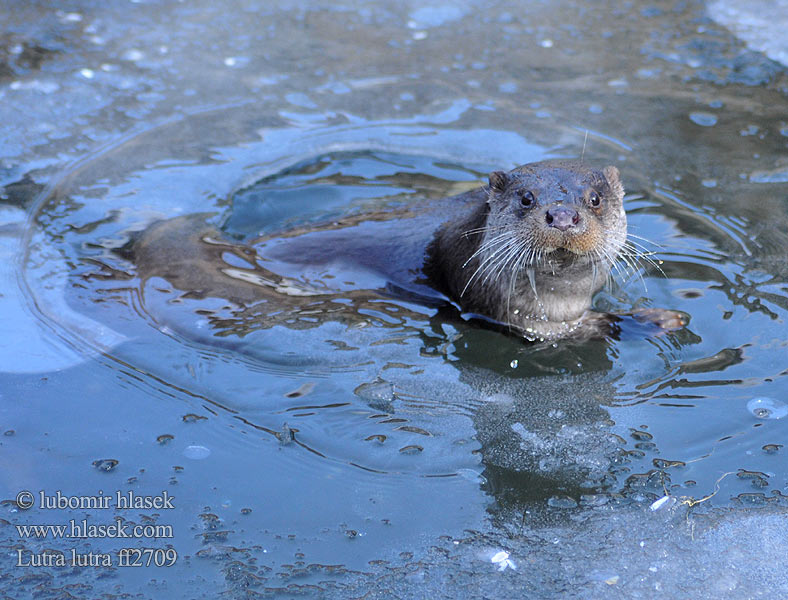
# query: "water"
{"points": [[363, 442]]}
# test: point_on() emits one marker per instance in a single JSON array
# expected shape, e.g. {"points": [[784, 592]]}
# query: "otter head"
{"points": [[556, 211]]}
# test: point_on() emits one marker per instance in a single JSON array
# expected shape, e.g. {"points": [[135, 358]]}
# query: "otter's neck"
{"points": [[454, 244], [544, 301], [559, 290]]}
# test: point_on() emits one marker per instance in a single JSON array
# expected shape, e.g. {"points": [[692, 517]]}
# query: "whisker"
{"points": [[640, 237], [489, 260], [489, 244], [515, 250], [484, 229]]}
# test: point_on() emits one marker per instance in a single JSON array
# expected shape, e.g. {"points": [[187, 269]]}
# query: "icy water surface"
{"points": [[336, 435]]}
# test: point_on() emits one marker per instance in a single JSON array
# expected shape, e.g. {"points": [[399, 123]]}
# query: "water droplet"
{"points": [[767, 408], [73, 17], [236, 61], [132, 55], [703, 119], [196, 452]]}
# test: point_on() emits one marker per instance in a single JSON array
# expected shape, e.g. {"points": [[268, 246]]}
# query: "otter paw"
{"points": [[667, 320]]}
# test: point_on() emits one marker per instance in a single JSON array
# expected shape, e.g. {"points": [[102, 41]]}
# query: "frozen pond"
{"points": [[330, 438]]}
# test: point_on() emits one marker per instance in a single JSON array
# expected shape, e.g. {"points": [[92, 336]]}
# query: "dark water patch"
{"points": [[20, 193], [336, 186]]}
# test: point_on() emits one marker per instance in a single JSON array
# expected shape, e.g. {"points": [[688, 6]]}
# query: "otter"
{"points": [[536, 250], [525, 254]]}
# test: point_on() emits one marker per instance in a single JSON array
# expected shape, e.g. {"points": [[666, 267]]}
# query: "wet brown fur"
{"points": [[505, 260]]}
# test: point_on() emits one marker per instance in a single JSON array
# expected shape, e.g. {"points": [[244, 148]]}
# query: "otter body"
{"points": [[527, 252]]}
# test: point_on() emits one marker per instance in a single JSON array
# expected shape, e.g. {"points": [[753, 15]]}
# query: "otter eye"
{"points": [[594, 199], [527, 199]]}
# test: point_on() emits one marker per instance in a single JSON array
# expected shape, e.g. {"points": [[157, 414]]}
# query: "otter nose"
{"points": [[562, 217]]}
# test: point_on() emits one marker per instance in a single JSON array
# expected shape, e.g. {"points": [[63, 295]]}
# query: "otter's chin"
{"points": [[571, 248], [554, 256], [571, 256]]}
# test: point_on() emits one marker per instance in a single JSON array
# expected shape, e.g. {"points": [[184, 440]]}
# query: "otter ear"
{"points": [[614, 180], [498, 181]]}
